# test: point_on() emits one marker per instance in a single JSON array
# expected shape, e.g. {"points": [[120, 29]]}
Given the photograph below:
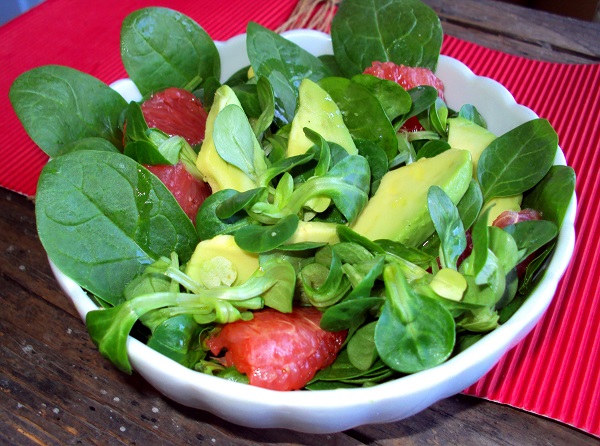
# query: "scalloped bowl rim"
{"points": [[330, 411]]}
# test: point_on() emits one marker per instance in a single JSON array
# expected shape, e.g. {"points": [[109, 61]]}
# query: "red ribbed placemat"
{"points": [[555, 371]]}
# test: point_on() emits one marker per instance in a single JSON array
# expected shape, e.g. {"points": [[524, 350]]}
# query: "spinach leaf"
{"points": [[259, 238], [532, 235], [406, 32], [517, 160], [377, 159], [471, 113], [394, 99], [349, 313], [266, 99], [330, 62], [102, 218], [432, 148], [531, 275], [59, 105], [177, 339], [422, 97], [248, 96], [372, 123], [163, 48], [212, 225], [206, 93], [238, 78], [91, 143], [342, 374], [284, 64], [553, 194]]}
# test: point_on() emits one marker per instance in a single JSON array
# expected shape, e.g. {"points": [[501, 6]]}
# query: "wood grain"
{"points": [[521, 31]]}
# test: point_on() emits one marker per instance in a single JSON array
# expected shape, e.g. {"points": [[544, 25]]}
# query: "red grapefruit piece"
{"points": [[278, 351], [176, 112], [189, 191]]}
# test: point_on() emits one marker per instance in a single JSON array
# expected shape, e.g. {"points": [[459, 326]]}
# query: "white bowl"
{"points": [[336, 410]]}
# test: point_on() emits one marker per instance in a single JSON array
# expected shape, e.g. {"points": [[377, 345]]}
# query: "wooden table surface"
{"points": [[57, 389]]}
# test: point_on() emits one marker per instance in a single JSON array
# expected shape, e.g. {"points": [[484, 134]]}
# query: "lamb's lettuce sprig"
{"points": [[271, 285], [273, 212]]}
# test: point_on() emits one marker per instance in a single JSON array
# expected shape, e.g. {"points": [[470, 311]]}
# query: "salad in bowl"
{"points": [[326, 230]]}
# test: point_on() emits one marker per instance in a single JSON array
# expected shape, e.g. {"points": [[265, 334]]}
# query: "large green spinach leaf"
{"points": [[284, 64], [102, 218], [59, 105], [91, 143], [553, 194], [406, 32], [372, 123], [517, 160], [162, 48]]}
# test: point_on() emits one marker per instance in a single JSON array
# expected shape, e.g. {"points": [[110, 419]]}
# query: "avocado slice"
{"points": [[220, 261], [315, 231], [398, 210], [465, 134], [501, 204], [216, 171], [318, 112]]}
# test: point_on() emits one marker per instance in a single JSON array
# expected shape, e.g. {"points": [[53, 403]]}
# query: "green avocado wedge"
{"points": [[466, 134], [318, 112], [398, 211]]}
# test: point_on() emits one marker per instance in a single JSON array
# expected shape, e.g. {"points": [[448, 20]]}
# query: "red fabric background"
{"points": [[555, 371]]}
